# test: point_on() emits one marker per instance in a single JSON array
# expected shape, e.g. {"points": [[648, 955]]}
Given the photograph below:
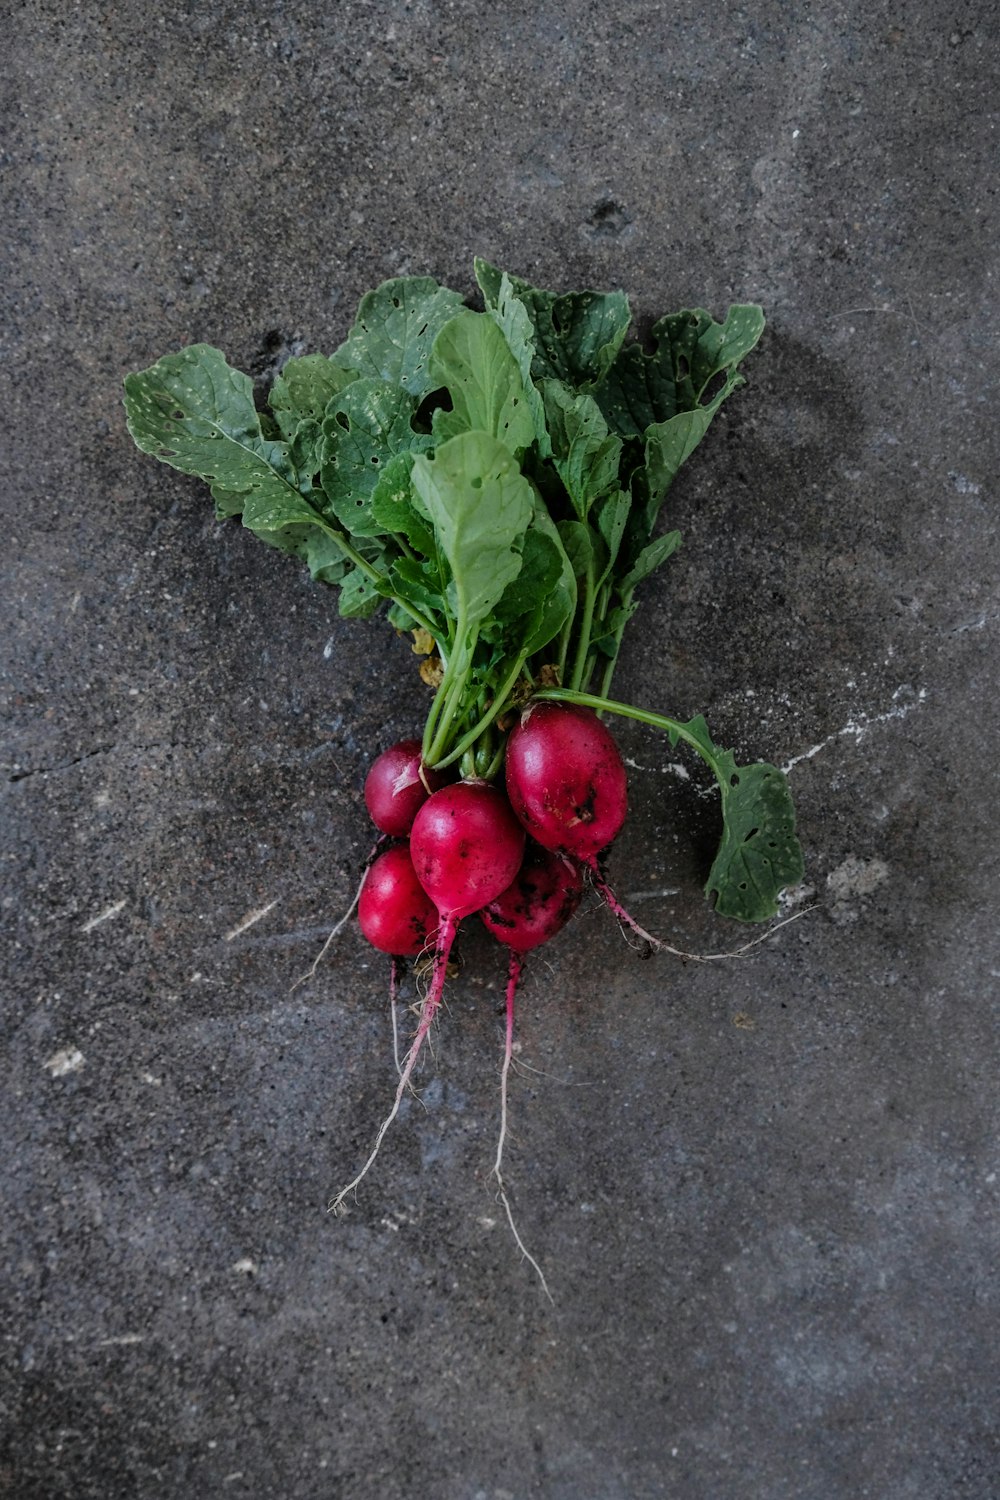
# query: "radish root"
{"points": [[428, 1010], [627, 920], [513, 978], [338, 929]]}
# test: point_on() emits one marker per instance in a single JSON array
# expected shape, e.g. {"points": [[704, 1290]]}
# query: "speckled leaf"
{"points": [[759, 854], [364, 427], [480, 505], [689, 349], [304, 389], [193, 411], [395, 330], [397, 510], [511, 317], [585, 456], [576, 334], [472, 359]]}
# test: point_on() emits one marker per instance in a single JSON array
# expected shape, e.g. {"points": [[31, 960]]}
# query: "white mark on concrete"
{"points": [[857, 877], [963, 485], [673, 768], [69, 1060], [666, 890], [232, 1478], [151, 1079], [245, 1266], [248, 921], [104, 916], [795, 895], [484, 1220], [121, 1340], [859, 727], [328, 649]]}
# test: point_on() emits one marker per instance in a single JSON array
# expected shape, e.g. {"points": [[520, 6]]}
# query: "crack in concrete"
{"points": [[78, 760]]}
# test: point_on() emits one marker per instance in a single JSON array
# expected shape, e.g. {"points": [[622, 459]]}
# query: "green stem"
{"points": [[673, 727], [583, 645], [375, 576], [458, 671], [494, 711]]}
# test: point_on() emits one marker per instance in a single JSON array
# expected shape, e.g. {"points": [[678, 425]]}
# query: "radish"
{"points": [[394, 911], [466, 846], [566, 779], [537, 904], [566, 782], [397, 785]]}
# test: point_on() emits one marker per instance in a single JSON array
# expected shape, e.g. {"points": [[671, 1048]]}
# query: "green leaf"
{"points": [[560, 602], [364, 428], [511, 317], [480, 505], [393, 506], [418, 583], [670, 444], [395, 330], [359, 596], [610, 516], [585, 456], [472, 358], [759, 854], [649, 559], [541, 568], [576, 334], [689, 349], [196, 413], [304, 389]]}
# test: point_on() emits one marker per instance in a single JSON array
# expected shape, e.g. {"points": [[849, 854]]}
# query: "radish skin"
{"points": [[397, 786]]}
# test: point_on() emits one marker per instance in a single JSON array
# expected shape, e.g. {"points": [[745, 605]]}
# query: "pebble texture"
{"points": [[764, 1193]]}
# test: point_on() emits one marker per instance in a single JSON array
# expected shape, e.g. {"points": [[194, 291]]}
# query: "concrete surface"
{"points": [[764, 1193]]}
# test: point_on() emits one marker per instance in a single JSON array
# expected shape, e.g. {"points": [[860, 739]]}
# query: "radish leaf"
{"points": [[473, 360], [395, 330], [480, 505]]}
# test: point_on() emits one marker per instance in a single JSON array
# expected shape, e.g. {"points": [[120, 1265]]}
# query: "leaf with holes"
{"points": [[473, 361], [193, 411], [576, 334], [395, 329], [366, 426], [304, 389]]}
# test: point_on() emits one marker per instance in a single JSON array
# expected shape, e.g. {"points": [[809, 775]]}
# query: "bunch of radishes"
{"points": [[518, 860], [493, 480]]}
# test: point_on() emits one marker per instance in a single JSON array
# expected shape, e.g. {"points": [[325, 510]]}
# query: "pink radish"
{"points": [[394, 911], [544, 894], [566, 782], [397, 786], [466, 846]]}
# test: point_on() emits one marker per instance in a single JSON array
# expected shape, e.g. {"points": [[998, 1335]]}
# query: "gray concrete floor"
{"points": [[764, 1194]]}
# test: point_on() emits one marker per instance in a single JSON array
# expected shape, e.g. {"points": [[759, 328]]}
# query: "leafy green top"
{"points": [[496, 479]]}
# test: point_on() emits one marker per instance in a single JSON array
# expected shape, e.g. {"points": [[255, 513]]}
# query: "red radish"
{"points": [[566, 782], [397, 785], [566, 779], [466, 846], [395, 913], [544, 894]]}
